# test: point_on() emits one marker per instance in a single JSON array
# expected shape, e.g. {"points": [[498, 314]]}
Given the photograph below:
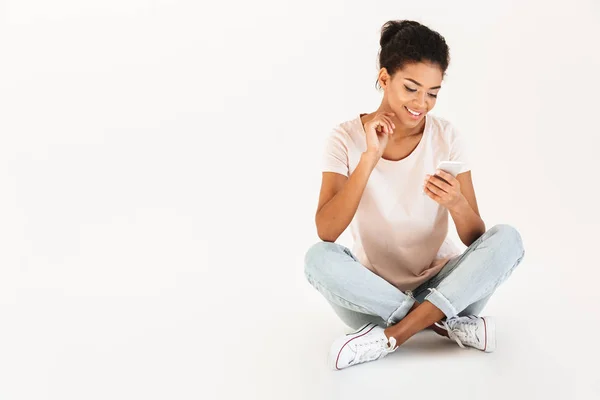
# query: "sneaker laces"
{"points": [[374, 349], [463, 331]]}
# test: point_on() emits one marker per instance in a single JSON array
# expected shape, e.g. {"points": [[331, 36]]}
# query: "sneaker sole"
{"points": [[490, 334], [340, 343]]}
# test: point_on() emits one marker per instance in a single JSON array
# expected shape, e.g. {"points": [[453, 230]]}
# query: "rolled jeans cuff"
{"points": [[440, 301], [402, 310]]}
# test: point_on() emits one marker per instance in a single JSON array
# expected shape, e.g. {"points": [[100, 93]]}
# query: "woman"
{"points": [[403, 274]]}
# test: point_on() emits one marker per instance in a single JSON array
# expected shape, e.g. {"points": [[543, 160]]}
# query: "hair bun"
{"points": [[391, 28]]}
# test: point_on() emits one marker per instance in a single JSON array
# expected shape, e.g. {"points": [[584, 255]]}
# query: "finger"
{"points": [[440, 183], [446, 176], [390, 122], [386, 121], [435, 189], [380, 128], [385, 125], [432, 194]]}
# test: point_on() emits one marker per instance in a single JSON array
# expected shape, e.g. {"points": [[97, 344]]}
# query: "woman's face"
{"points": [[411, 92]]}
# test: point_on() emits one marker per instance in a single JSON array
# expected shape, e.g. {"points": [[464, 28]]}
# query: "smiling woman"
{"points": [[404, 274]]}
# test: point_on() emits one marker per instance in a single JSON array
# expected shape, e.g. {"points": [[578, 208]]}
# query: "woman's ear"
{"points": [[384, 78]]}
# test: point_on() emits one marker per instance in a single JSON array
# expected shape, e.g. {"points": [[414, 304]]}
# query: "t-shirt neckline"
{"points": [[413, 153]]}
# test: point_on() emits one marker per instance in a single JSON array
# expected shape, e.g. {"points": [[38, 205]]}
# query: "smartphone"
{"points": [[452, 167]]}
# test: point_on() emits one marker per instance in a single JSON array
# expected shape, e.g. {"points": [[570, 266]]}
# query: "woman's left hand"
{"points": [[446, 194]]}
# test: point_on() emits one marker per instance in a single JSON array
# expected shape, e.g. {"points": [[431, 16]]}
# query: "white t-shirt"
{"points": [[399, 232]]}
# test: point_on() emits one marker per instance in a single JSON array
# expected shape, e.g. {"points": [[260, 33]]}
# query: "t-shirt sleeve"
{"points": [[459, 149], [335, 154]]}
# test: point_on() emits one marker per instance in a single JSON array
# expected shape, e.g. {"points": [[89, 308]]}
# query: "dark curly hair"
{"points": [[404, 41]]}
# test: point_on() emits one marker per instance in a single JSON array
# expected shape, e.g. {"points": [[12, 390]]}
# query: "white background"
{"points": [[160, 172]]}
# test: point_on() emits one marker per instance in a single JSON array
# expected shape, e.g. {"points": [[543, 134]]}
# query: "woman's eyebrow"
{"points": [[418, 84]]}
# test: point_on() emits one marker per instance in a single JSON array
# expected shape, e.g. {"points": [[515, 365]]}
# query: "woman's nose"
{"points": [[421, 100]]}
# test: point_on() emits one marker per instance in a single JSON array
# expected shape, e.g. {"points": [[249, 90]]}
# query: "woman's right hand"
{"points": [[378, 131]]}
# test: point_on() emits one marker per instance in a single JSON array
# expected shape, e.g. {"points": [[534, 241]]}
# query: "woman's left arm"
{"points": [[458, 196]]}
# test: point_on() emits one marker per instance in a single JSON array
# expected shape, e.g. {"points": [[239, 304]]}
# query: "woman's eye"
{"points": [[414, 90]]}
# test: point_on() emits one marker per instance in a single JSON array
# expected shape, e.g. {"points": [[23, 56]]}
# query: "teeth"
{"points": [[413, 112]]}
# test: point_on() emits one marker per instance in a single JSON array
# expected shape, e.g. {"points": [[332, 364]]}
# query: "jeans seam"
{"points": [[473, 247]]}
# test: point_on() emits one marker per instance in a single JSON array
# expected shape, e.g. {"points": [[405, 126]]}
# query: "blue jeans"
{"points": [[462, 287]]}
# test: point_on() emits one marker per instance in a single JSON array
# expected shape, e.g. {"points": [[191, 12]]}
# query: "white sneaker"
{"points": [[474, 331], [368, 343]]}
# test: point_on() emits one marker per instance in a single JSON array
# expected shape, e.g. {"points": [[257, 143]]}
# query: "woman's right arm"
{"points": [[339, 198], [340, 195]]}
